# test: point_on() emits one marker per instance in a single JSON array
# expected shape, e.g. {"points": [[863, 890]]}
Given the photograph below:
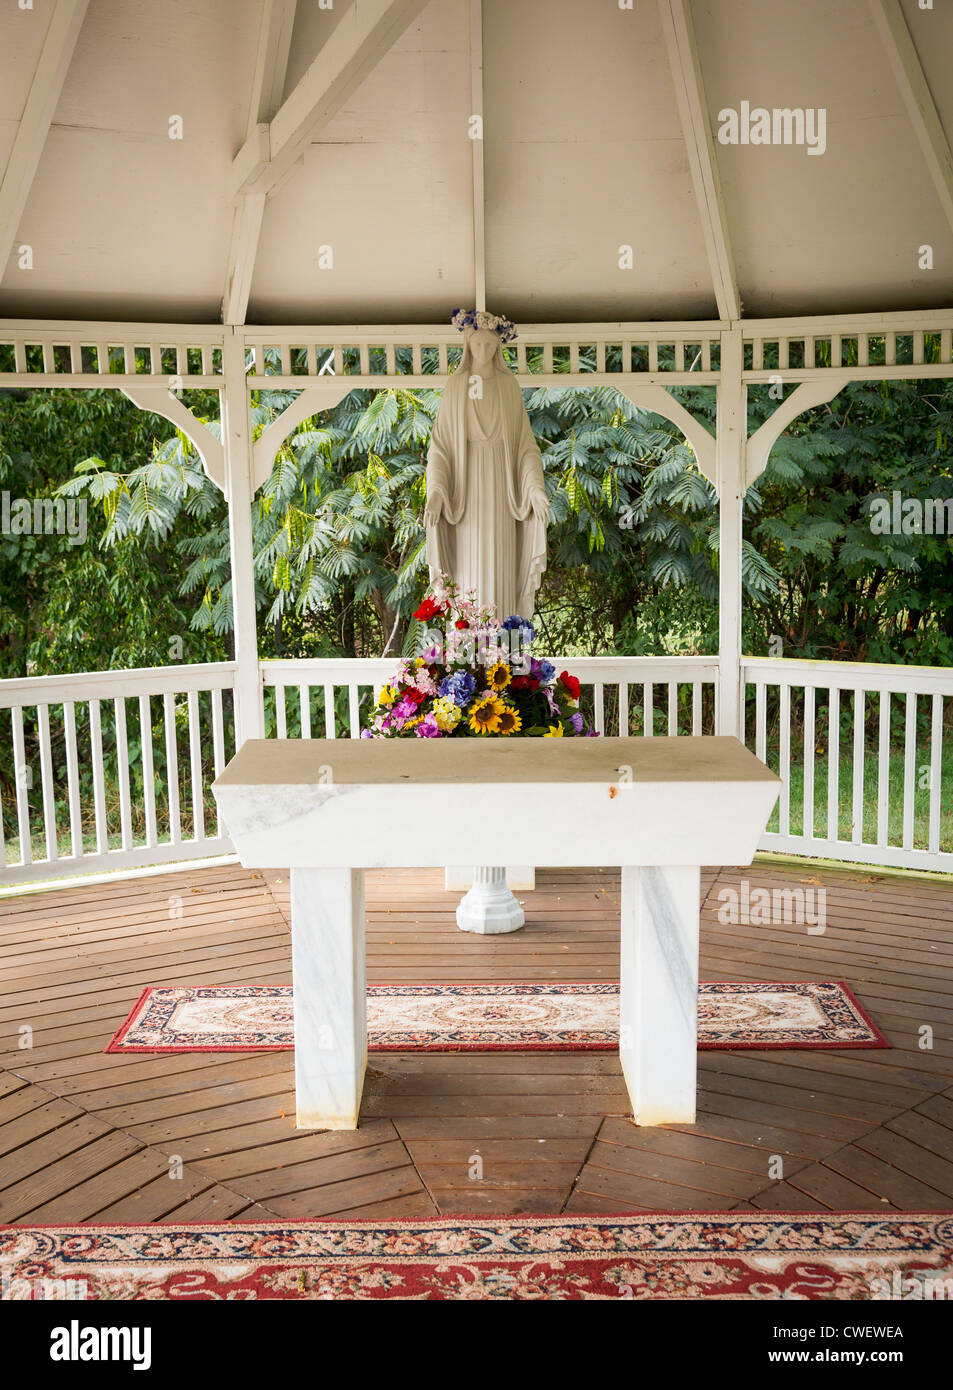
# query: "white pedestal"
{"points": [[489, 907], [521, 878], [658, 1007], [330, 996]]}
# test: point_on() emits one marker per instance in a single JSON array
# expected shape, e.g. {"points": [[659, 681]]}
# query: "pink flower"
{"points": [[428, 727]]}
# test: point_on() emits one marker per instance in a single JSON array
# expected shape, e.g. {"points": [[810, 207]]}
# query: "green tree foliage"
{"points": [[847, 592], [339, 542], [66, 607]]}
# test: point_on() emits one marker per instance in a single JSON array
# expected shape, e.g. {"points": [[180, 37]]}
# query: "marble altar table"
{"points": [[657, 807]]}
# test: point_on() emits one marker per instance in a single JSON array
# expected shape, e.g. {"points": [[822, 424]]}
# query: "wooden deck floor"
{"points": [[86, 1136]]}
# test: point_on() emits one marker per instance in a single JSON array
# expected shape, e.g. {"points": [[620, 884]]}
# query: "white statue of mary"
{"points": [[487, 509]]}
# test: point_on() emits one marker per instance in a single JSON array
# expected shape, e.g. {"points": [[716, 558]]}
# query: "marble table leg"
{"points": [[658, 1033], [330, 996]]}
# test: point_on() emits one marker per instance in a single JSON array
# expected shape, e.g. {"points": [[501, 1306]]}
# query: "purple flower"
{"points": [[460, 687], [576, 721], [428, 727]]}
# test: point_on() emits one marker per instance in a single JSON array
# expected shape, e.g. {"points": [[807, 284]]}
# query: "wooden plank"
{"points": [[74, 960]]}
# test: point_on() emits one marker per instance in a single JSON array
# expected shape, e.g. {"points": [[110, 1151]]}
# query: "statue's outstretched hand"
{"points": [[433, 512], [541, 506]]}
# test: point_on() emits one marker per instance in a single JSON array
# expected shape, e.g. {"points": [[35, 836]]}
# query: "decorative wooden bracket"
{"points": [[661, 402], [160, 401], [311, 401], [808, 394]]}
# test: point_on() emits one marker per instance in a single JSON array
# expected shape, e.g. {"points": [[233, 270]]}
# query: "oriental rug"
{"points": [[495, 1017], [741, 1255]]}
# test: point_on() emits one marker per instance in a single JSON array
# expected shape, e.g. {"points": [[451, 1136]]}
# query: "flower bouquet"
{"points": [[475, 678]]}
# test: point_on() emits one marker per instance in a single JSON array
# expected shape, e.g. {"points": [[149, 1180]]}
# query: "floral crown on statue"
{"points": [[479, 318]]}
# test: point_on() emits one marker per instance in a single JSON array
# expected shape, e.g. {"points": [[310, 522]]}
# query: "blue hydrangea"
{"points": [[460, 687]]}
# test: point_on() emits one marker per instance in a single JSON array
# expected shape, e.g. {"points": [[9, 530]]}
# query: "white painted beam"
{"points": [[918, 99], [61, 36], [240, 491], [730, 453], [478, 146], [690, 93], [362, 37], [268, 85]]}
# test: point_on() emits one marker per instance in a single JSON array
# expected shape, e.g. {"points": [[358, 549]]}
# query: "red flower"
{"points": [[428, 609], [461, 623], [570, 683], [412, 693], [524, 683]]}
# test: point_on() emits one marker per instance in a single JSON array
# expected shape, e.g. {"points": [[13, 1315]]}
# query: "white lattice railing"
{"points": [[113, 769], [860, 751], [191, 356], [869, 345]]}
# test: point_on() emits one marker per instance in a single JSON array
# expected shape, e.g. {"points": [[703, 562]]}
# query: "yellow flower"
{"points": [[555, 731], [485, 716], [499, 675], [510, 722], [418, 662], [447, 713], [386, 697]]}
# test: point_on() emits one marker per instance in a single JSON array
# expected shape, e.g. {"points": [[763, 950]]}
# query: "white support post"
{"points": [[477, 148], [330, 996], [730, 457], [239, 491], [658, 1004]]}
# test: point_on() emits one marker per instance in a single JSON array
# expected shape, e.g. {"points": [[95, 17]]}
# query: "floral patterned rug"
{"points": [[490, 1017], [747, 1255]]}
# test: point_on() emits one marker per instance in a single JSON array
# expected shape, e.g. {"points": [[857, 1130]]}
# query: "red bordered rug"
{"points": [[655, 1256], [491, 1017]]}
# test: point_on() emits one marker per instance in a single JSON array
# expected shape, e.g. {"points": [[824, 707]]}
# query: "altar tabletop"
{"points": [[381, 803]]}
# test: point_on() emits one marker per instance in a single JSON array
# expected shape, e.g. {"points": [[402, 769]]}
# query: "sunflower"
{"points": [[499, 675], [510, 722], [555, 731], [485, 716]]}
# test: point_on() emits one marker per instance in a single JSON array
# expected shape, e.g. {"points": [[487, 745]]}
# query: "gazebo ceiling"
{"points": [[592, 142]]}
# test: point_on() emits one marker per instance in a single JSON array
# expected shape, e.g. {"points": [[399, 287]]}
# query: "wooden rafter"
{"points": [[65, 24], [271, 66], [362, 37], [690, 92], [918, 99]]}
